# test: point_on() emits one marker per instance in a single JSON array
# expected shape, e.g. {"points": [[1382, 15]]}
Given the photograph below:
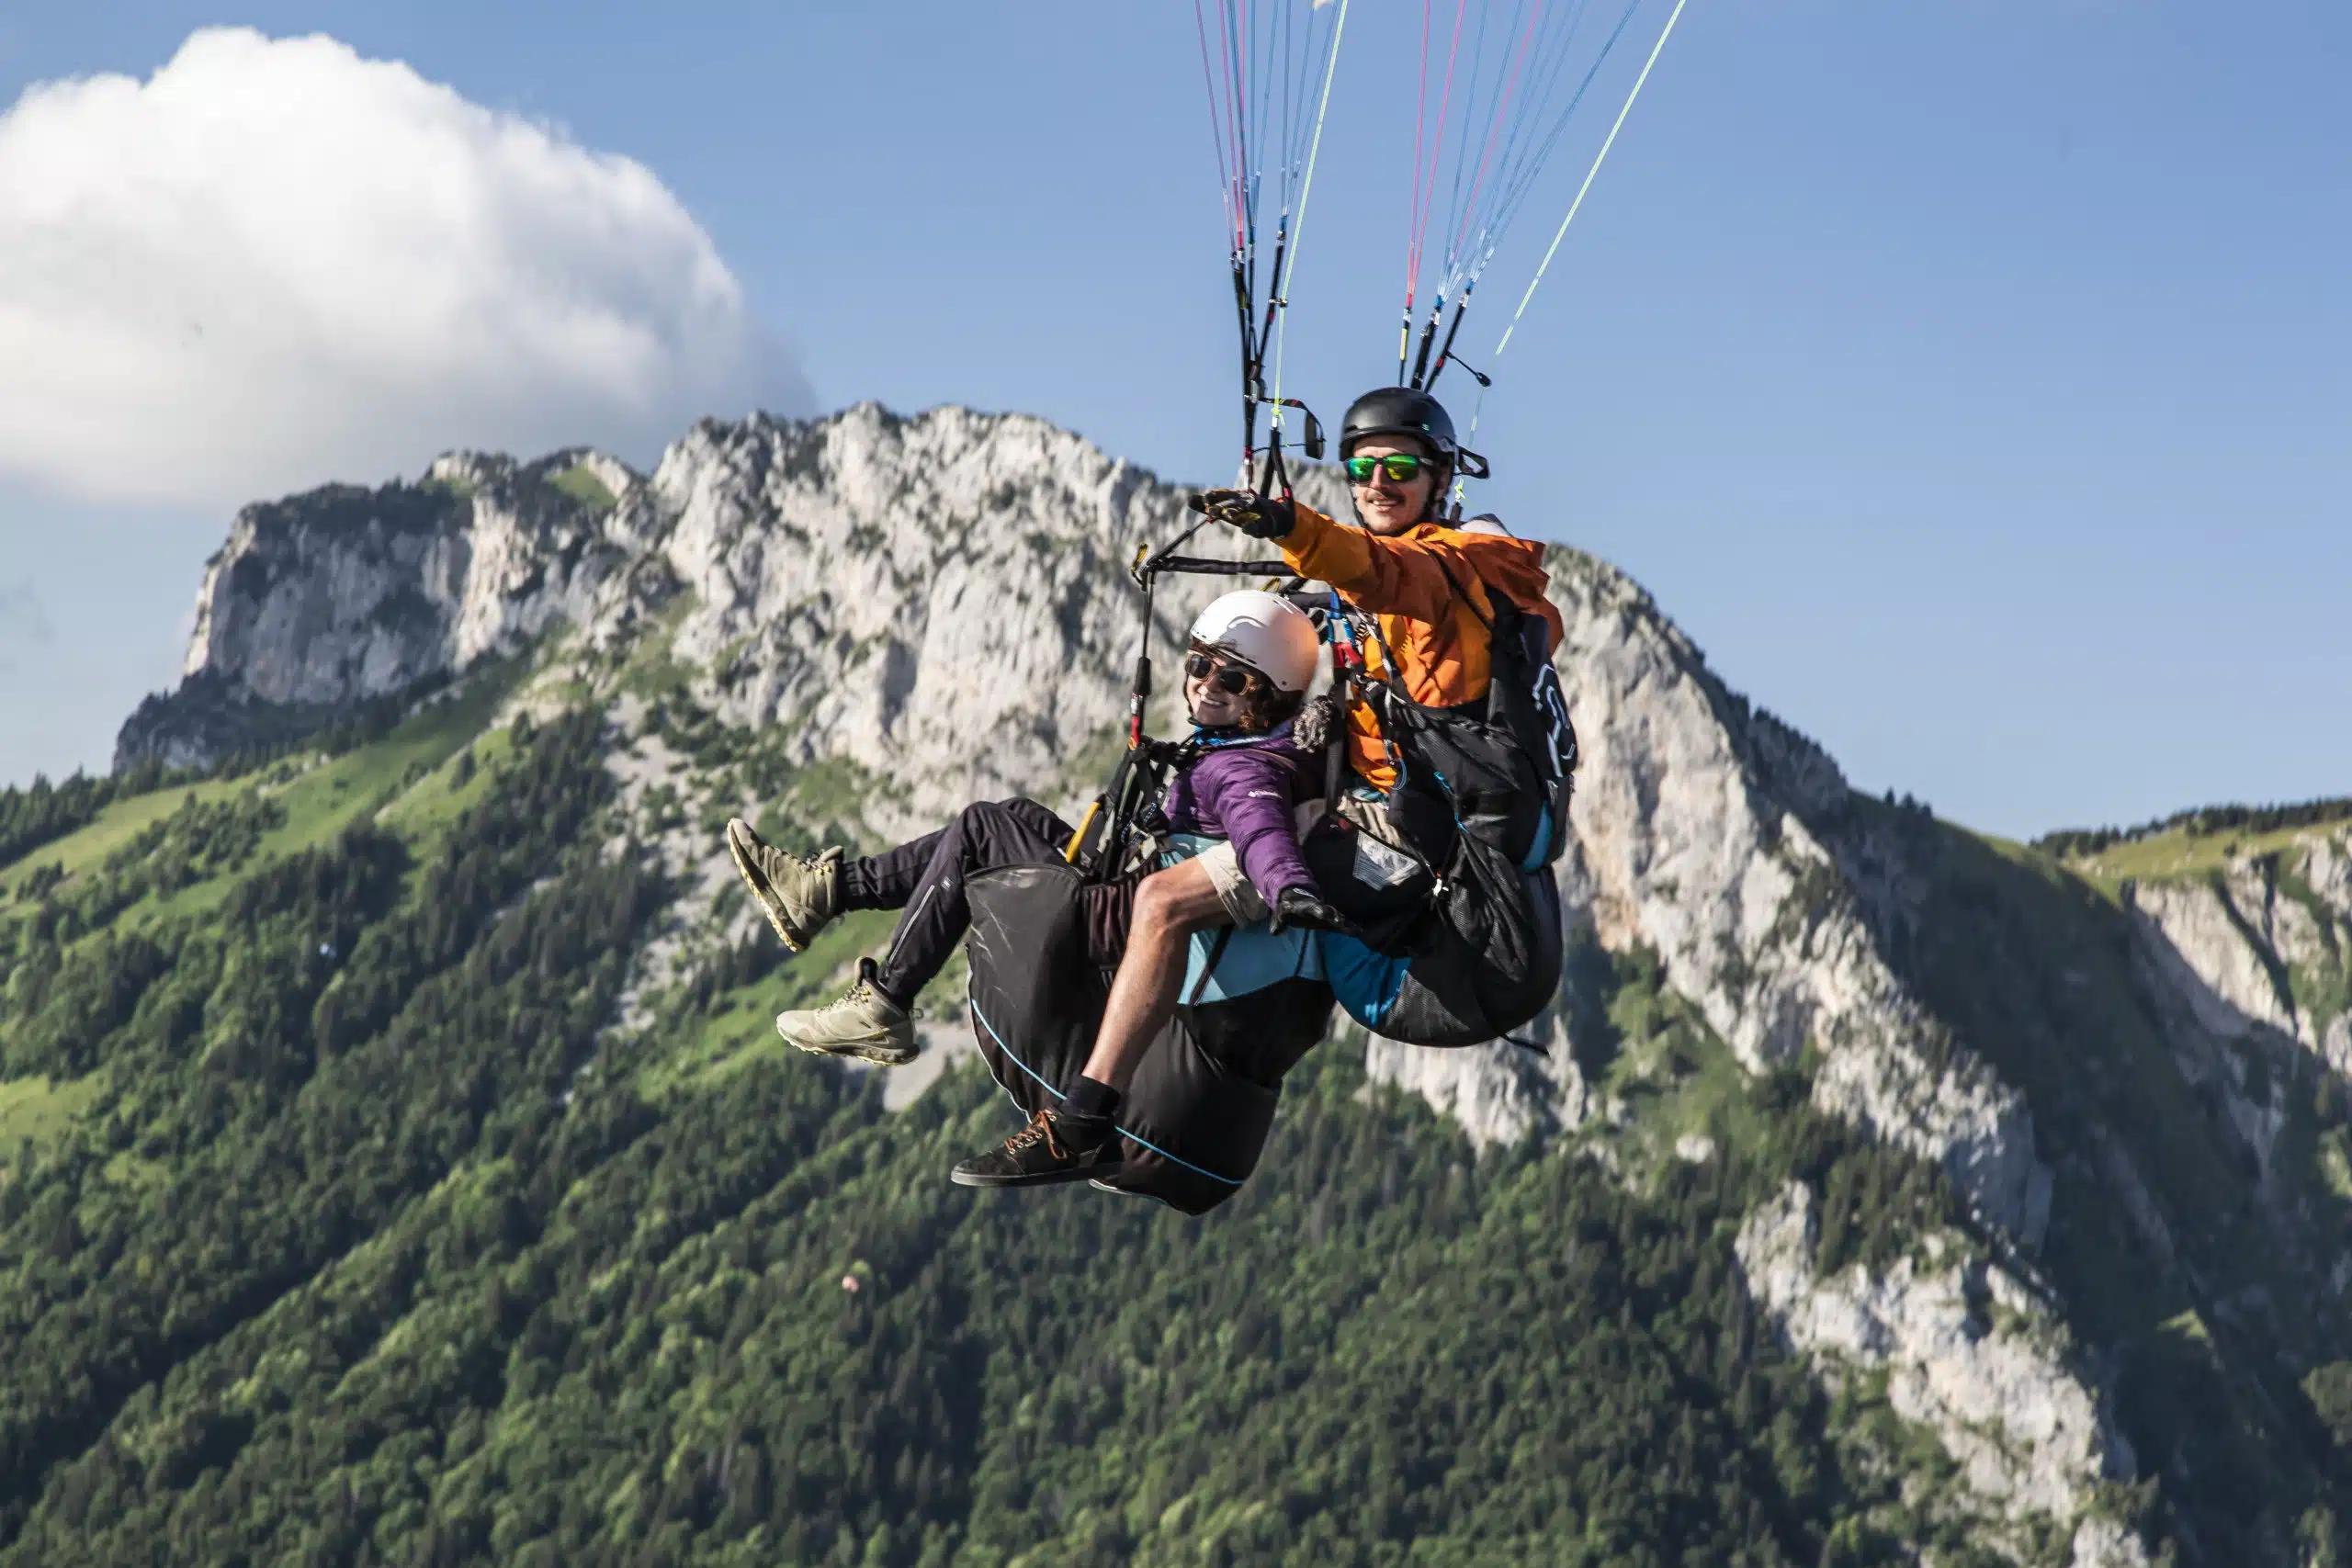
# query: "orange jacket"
{"points": [[1441, 644]]}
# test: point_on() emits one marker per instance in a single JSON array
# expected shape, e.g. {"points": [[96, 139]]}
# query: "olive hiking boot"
{"points": [[801, 895], [1056, 1146], [864, 1023]]}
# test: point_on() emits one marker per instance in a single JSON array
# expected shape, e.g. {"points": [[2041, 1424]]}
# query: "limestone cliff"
{"points": [[939, 605], [1965, 1348], [866, 620]]}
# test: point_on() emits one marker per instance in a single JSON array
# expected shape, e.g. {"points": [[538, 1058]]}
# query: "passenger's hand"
{"points": [[1260, 516], [1305, 907]]}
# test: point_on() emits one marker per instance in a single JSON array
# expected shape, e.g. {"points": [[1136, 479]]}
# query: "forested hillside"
{"points": [[357, 1248], [397, 1165]]}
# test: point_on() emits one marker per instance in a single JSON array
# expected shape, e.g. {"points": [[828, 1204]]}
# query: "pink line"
{"points": [[1436, 151], [1495, 128], [1421, 118], [1233, 120], [1209, 85]]}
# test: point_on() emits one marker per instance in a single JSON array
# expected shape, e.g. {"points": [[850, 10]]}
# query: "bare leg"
{"points": [[1170, 906]]}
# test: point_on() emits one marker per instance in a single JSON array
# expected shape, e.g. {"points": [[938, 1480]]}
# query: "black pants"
{"points": [[925, 878]]}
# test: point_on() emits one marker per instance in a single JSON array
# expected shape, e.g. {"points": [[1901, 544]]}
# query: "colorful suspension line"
{"points": [[1575, 205], [1518, 96], [1267, 144], [1599, 158]]}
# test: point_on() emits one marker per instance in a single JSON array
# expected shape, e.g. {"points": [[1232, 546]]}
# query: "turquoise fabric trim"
{"points": [[1535, 860], [1183, 847], [1254, 956], [1367, 984], [1253, 959]]}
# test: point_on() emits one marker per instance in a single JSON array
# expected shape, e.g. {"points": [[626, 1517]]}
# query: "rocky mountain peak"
{"points": [[885, 616], [940, 602]]}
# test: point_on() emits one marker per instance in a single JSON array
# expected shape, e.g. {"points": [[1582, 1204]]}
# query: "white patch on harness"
{"points": [[1377, 865]]}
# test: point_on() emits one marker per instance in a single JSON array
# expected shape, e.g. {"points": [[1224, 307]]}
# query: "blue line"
{"points": [[1188, 1164], [1010, 1057], [1126, 1133]]}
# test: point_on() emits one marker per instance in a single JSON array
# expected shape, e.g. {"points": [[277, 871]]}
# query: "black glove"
{"points": [[1260, 516], [1303, 907]]}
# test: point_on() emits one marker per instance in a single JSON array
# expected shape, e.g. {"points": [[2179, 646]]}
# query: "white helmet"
{"points": [[1272, 635]]}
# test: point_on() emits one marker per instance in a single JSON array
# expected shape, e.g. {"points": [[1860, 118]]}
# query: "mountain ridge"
{"points": [[862, 621]]}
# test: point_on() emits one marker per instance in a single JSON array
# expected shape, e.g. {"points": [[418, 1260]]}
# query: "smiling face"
{"points": [[1391, 506], [1211, 705]]}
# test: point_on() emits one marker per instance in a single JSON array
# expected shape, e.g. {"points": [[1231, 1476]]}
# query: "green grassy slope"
{"points": [[319, 796], [2178, 852]]}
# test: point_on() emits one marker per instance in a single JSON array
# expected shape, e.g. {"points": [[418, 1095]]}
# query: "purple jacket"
{"points": [[1247, 790]]}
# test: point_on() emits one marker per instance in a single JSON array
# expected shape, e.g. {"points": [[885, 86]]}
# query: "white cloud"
{"points": [[275, 263]]}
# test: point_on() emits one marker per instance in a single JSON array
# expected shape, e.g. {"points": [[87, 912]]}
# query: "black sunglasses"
{"points": [[1231, 679], [1398, 466]]}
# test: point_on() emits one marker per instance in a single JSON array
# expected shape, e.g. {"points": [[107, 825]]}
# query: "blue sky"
{"points": [[1972, 378]]}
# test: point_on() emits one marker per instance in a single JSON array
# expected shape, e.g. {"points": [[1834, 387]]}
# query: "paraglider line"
{"points": [[1307, 190], [1531, 158], [1216, 128], [1427, 209], [1227, 45], [1413, 217], [1494, 136], [1542, 153], [1590, 173], [1470, 103]]}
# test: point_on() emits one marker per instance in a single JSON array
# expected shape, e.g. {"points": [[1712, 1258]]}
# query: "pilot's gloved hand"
{"points": [[1305, 907], [1260, 516]]}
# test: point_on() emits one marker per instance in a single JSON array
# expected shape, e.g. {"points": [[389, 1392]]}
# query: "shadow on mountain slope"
{"points": [[2196, 1278]]}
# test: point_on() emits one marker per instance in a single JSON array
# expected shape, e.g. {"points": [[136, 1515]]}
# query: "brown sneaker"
{"points": [[1055, 1147], [801, 895]]}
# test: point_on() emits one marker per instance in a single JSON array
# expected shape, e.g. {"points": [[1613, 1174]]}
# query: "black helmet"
{"points": [[1398, 411], [1408, 411]]}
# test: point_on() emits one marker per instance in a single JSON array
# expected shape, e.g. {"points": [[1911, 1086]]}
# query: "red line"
{"points": [[1233, 122], [1421, 118]]}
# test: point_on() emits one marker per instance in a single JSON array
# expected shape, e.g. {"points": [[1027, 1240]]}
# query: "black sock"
{"points": [[1087, 1098]]}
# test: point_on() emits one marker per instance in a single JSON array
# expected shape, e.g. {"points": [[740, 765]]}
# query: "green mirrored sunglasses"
{"points": [[1398, 466]]}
